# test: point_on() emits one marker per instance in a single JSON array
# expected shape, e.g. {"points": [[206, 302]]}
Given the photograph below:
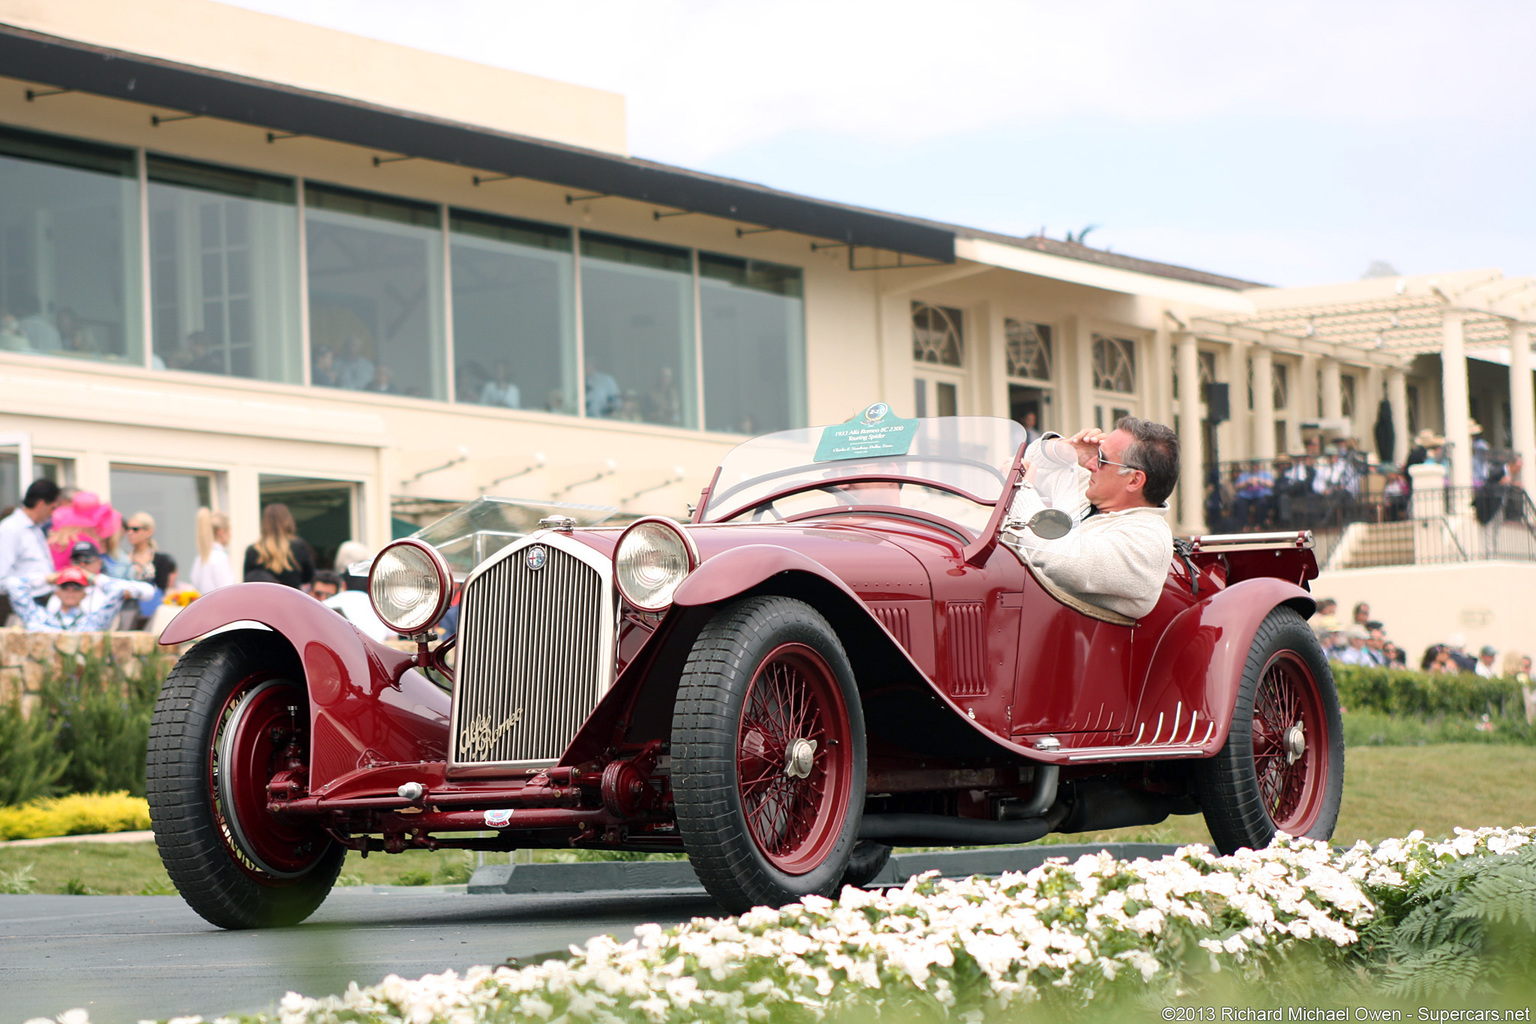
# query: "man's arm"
{"points": [[116, 592], [32, 615]]}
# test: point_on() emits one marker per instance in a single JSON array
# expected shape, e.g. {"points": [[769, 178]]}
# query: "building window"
{"points": [[375, 292], [172, 497], [938, 335], [514, 337], [638, 331], [1028, 349], [224, 275], [69, 248], [1114, 364], [1280, 378], [753, 322], [1347, 396]]}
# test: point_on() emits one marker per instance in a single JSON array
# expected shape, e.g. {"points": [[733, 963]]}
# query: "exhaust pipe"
{"points": [[1025, 823]]}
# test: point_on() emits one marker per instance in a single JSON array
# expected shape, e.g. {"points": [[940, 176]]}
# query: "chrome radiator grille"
{"points": [[535, 655]]}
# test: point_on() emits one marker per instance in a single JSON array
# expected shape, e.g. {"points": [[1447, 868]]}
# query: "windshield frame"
{"points": [[979, 451]]}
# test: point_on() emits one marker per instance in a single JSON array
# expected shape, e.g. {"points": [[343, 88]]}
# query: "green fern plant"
{"points": [[1464, 928]]}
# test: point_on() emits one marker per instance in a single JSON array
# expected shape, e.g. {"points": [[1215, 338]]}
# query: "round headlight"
{"points": [[410, 586], [654, 556]]}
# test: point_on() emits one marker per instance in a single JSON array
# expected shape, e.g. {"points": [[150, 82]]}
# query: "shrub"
{"points": [[74, 815], [29, 764], [1398, 691], [101, 717]]}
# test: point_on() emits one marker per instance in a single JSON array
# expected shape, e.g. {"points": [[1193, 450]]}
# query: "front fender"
{"points": [[740, 569], [1199, 660], [366, 706]]}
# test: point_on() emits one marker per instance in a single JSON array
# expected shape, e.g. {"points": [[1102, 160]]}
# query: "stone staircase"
{"points": [[1374, 545]]}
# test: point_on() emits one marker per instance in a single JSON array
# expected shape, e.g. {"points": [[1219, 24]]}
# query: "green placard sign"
{"points": [[872, 433]]}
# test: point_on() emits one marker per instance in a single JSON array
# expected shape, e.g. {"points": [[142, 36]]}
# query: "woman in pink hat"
{"points": [[84, 517]]}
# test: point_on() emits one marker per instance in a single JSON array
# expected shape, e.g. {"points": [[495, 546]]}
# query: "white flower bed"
{"points": [[1063, 933]]}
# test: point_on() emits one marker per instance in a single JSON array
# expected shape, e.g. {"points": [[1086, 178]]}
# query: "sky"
{"points": [[1289, 143]]}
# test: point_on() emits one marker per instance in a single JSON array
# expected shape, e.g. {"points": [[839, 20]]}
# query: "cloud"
{"points": [[704, 78]]}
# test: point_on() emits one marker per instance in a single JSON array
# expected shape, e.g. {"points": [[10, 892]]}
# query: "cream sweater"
{"points": [[1115, 560]]}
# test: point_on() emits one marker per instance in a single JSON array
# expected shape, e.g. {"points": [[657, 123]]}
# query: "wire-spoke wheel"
{"points": [[233, 715], [768, 754], [1282, 766]]}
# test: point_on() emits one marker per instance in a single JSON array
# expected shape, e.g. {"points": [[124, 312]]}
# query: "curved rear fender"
{"points": [[1199, 662], [353, 720]]}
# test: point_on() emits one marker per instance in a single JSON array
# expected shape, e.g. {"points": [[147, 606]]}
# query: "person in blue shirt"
{"points": [[70, 614]]}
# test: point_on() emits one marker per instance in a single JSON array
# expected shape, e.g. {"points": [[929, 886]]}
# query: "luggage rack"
{"points": [[1298, 540]]}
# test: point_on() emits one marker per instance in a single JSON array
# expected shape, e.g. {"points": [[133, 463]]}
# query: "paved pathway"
{"points": [[125, 958]]}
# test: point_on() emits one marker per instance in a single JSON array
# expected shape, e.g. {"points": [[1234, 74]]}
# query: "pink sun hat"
{"points": [[86, 517]]}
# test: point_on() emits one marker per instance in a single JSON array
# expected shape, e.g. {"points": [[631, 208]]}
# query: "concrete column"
{"points": [[1082, 383], [1160, 390], [1522, 405], [1263, 403], [1191, 470], [1236, 434], [1333, 402], [1306, 389], [1397, 394], [989, 377], [1365, 410], [1453, 387]]}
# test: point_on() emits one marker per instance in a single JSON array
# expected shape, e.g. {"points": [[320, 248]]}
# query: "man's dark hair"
{"points": [[1155, 451], [42, 489], [329, 578]]}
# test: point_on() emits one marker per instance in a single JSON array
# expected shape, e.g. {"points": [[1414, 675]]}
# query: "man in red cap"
{"points": [[69, 614]]}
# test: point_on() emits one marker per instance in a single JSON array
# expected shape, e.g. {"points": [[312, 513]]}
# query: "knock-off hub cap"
{"points": [[799, 758], [1295, 743]]}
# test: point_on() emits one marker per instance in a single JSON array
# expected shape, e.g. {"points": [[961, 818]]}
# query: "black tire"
{"points": [[1282, 766], [235, 863], [766, 817], [867, 860]]}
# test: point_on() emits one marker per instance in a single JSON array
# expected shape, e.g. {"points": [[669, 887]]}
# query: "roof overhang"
{"points": [[1097, 275], [70, 64], [1396, 318]]}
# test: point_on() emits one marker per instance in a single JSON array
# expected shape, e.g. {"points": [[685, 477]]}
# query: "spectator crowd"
{"points": [[70, 562]]}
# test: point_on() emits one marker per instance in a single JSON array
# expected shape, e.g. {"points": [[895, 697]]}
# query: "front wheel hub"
{"points": [[801, 756], [1295, 743]]}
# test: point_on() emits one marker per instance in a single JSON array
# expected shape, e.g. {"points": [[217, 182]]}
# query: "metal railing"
{"points": [[1364, 515]]}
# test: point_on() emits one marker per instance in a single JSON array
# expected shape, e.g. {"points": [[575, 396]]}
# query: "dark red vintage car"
{"points": [[844, 649]]}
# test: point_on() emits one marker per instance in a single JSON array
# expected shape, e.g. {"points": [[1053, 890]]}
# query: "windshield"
{"points": [[966, 457], [471, 534]]}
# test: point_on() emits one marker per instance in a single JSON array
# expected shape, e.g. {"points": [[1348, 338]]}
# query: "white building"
{"points": [[245, 259]]}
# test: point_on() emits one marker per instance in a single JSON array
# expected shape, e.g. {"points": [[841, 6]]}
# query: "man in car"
{"points": [[1115, 486]]}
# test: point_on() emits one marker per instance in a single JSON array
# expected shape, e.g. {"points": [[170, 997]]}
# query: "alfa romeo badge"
{"points": [[535, 557]]}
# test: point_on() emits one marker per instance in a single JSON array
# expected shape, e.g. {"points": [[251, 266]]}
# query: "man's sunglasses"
{"points": [[71, 586], [1105, 461]]}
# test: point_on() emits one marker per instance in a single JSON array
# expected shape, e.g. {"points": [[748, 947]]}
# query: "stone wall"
{"points": [[26, 658]]}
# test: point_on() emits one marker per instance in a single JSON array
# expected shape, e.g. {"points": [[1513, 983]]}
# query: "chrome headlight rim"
{"points": [[444, 581], [689, 549]]}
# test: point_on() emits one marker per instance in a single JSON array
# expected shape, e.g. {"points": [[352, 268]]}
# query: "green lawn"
{"points": [[1388, 791]]}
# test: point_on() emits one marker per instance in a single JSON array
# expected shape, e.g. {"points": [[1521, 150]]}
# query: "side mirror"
{"points": [[1050, 524]]}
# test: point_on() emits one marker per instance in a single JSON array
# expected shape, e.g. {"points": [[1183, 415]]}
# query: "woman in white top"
{"points": [[211, 569]]}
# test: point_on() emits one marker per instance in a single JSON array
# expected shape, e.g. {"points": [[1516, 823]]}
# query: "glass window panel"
{"points": [[173, 499], [637, 323], [1114, 364], [514, 339], [224, 272], [375, 293], [1028, 349], [938, 334], [754, 345], [69, 248]]}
